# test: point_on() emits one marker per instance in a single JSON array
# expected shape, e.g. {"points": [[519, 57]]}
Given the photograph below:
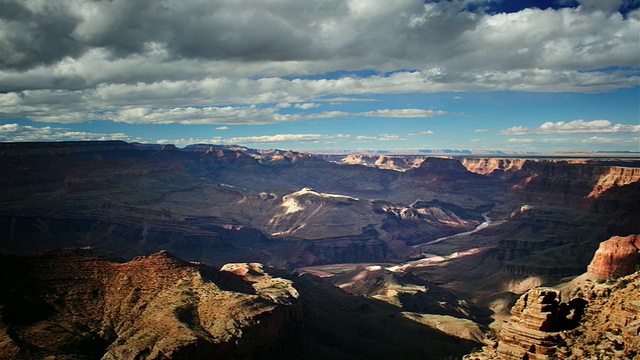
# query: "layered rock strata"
{"points": [[534, 330], [618, 256], [601, 322]]}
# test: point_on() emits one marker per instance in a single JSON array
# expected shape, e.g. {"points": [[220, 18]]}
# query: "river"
{"points": [[483, 225], [427, 260]]}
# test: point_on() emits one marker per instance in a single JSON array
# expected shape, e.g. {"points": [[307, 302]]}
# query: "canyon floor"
{"points": [[236, 251]]}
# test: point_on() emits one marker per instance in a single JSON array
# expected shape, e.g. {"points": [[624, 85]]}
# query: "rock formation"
{"points": [[601, 321], [617, 256], [219, 204], [488, 166], [152, 307], [534, 330], [64, 305]]}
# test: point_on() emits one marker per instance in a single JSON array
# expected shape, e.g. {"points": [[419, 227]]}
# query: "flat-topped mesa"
{"points": [[437, 165], [618, 256]]}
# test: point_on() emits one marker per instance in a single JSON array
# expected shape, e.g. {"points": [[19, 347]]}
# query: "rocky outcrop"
{"points": [[405, 291], [611, 325], [534, 330], [489, 166], [64, 305], [602, 321], [153, 307], [617, 256]]}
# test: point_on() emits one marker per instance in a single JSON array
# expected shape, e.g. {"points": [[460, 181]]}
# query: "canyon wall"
{"points": [[617, 256]]}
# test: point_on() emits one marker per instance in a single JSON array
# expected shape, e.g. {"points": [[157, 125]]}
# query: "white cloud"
{"points": [[540, 141], [212, 95], [429, 132], [73, 62], [306, 106], [576, 127], [381, 137], [601, 140], [197, 40], [15, 132], [403, 113], [223, 128], [382, 113], [281, 138], [481, 130]]}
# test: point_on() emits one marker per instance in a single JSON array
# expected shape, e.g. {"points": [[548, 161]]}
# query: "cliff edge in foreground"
{"points": [[600, 321]]}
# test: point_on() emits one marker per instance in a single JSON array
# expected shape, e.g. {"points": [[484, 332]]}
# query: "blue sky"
{"points": [[540, 76]]}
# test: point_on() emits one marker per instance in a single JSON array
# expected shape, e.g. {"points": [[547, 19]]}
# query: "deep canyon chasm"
{"points": [[352, 219]]}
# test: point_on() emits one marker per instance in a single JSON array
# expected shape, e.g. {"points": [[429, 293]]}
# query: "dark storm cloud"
{"points": [[31, 37], [43, 33]]}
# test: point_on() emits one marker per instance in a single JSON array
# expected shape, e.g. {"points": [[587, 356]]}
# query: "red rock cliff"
{"points": [[617, 256]]}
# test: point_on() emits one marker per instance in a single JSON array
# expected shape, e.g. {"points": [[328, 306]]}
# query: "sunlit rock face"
{"points": [[617, 256], [487, 166], [65, 305], [602, 321], [538, 318], [151, 307]]}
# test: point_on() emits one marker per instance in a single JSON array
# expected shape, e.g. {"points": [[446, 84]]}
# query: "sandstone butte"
{"points": [[616, 257], [601, 321]]}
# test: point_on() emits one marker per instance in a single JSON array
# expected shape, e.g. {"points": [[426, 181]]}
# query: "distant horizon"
{"points": [[346, 152]]}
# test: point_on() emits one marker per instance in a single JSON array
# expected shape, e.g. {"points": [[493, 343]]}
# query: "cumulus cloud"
{"points": [[422, 133], [62, 44], [602, 140], [381, 137], [15, 132], [481, 130], [576, 127], [532, 141], [306, 106], [231, 63], [223, 128], [281, 138]]}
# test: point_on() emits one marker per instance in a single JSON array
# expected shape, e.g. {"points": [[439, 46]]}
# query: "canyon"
{"points": [[438, 245]]}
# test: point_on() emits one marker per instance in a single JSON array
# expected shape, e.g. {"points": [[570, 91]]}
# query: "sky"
{"points": [[536, 76]]}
